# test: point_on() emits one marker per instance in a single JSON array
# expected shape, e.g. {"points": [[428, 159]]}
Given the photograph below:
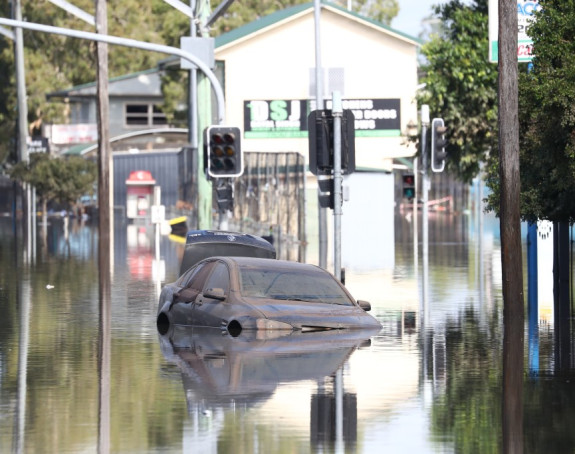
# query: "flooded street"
{"points": [[76, 380]]}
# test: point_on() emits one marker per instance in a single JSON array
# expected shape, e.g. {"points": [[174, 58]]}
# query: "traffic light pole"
{"points": [[337, 112], [424, 199]]}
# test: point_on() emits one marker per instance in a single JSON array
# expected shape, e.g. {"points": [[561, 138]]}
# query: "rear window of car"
{"points": [[196, 276], [297, 285]]}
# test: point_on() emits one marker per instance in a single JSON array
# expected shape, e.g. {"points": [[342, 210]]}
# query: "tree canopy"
{"points": [[62, 180], [54, 62], [461, 84], [547, 117]]}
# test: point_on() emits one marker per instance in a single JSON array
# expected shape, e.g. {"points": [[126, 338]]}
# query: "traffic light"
{"points": [[224, 156], [326, 192], [225, 195], [438, 144], [409, 186]]}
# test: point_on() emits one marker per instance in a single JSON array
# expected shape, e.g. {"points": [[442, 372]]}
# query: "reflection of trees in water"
{"points": [[467, 410], [464, 366]]}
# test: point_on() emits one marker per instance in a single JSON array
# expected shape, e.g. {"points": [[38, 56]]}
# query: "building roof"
{"points": [[279, 17], [142, 83], [143, 140]]}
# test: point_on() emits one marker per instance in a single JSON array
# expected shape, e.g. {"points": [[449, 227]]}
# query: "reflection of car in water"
{"points": [[238, 293], [218, 367]]}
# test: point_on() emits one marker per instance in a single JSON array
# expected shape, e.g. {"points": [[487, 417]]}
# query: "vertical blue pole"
{"points": [[532, 292], [532, 299]]}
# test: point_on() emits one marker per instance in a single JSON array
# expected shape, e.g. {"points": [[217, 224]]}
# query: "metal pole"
{"points": [[424, 196], [337, 112], [193, 170], [23, 126], [322, 212], [318, 68]]}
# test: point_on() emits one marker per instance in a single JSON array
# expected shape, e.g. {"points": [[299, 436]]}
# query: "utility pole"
{"points": [[105, 225], [510, 224], [105, 194]]}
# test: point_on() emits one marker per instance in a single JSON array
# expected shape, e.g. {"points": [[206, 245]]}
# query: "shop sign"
{"points": [[275, 119]]}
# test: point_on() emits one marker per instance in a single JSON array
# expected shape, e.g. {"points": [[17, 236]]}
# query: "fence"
{"points": [[269, 200]]}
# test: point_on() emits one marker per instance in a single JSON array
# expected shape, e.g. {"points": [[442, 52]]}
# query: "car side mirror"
{"points": [[365, 305], [215, 293]]}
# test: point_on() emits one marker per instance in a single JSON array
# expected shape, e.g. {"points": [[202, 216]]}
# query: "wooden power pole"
{"points": [[510, 221], [105, 213]]}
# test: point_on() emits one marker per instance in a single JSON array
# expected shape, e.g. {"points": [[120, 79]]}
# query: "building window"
{"points": [[145, 115]]}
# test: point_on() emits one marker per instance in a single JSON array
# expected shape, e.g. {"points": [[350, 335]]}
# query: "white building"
{"points": [[269, 68]]}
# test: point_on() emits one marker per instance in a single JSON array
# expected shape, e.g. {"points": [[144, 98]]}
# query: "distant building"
{"points": [[270, 80], [267, 71], [135, 101]]}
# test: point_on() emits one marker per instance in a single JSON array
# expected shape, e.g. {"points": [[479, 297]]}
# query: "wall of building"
{"points": [[162, 165], [278, 65]]}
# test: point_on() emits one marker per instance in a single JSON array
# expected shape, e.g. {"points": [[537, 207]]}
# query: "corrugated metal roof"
{"points": [[89, 88]]}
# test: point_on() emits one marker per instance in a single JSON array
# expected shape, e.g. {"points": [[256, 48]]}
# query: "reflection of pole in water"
{"points": [[512, 382], [338, 384], [104, 353], [104, 341], [20, 422], [333, 417]]}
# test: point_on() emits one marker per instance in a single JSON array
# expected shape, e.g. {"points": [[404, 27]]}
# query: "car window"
{"points": [[220, 278], [196, 276], [314, 286]]}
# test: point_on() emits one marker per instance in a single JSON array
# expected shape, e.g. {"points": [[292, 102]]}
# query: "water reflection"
{"points": [[433, 387], [222, 374]]}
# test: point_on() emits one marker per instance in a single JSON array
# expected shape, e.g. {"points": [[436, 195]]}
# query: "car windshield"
{"points": [[296, 285]]}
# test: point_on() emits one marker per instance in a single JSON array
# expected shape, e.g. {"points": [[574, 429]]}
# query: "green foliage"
{"points": [[57, 179], [461, 84], [54, 62], [547, 117], [380, 10]]}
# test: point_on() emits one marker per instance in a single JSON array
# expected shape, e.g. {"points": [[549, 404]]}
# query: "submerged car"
{"points": [[252, 293]]}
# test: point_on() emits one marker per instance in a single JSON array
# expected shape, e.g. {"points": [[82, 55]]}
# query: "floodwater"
{"points": [[78, 379]]}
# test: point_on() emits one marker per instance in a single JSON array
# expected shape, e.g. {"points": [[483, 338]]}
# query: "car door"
{"points": [[211, 311], [183, 309]]}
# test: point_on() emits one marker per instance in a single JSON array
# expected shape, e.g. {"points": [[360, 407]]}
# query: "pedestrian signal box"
{"points": [[409, 186]]}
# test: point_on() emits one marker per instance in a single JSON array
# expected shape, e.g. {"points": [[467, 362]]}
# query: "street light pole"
{"points": [[23, 128], [337, 112]]}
